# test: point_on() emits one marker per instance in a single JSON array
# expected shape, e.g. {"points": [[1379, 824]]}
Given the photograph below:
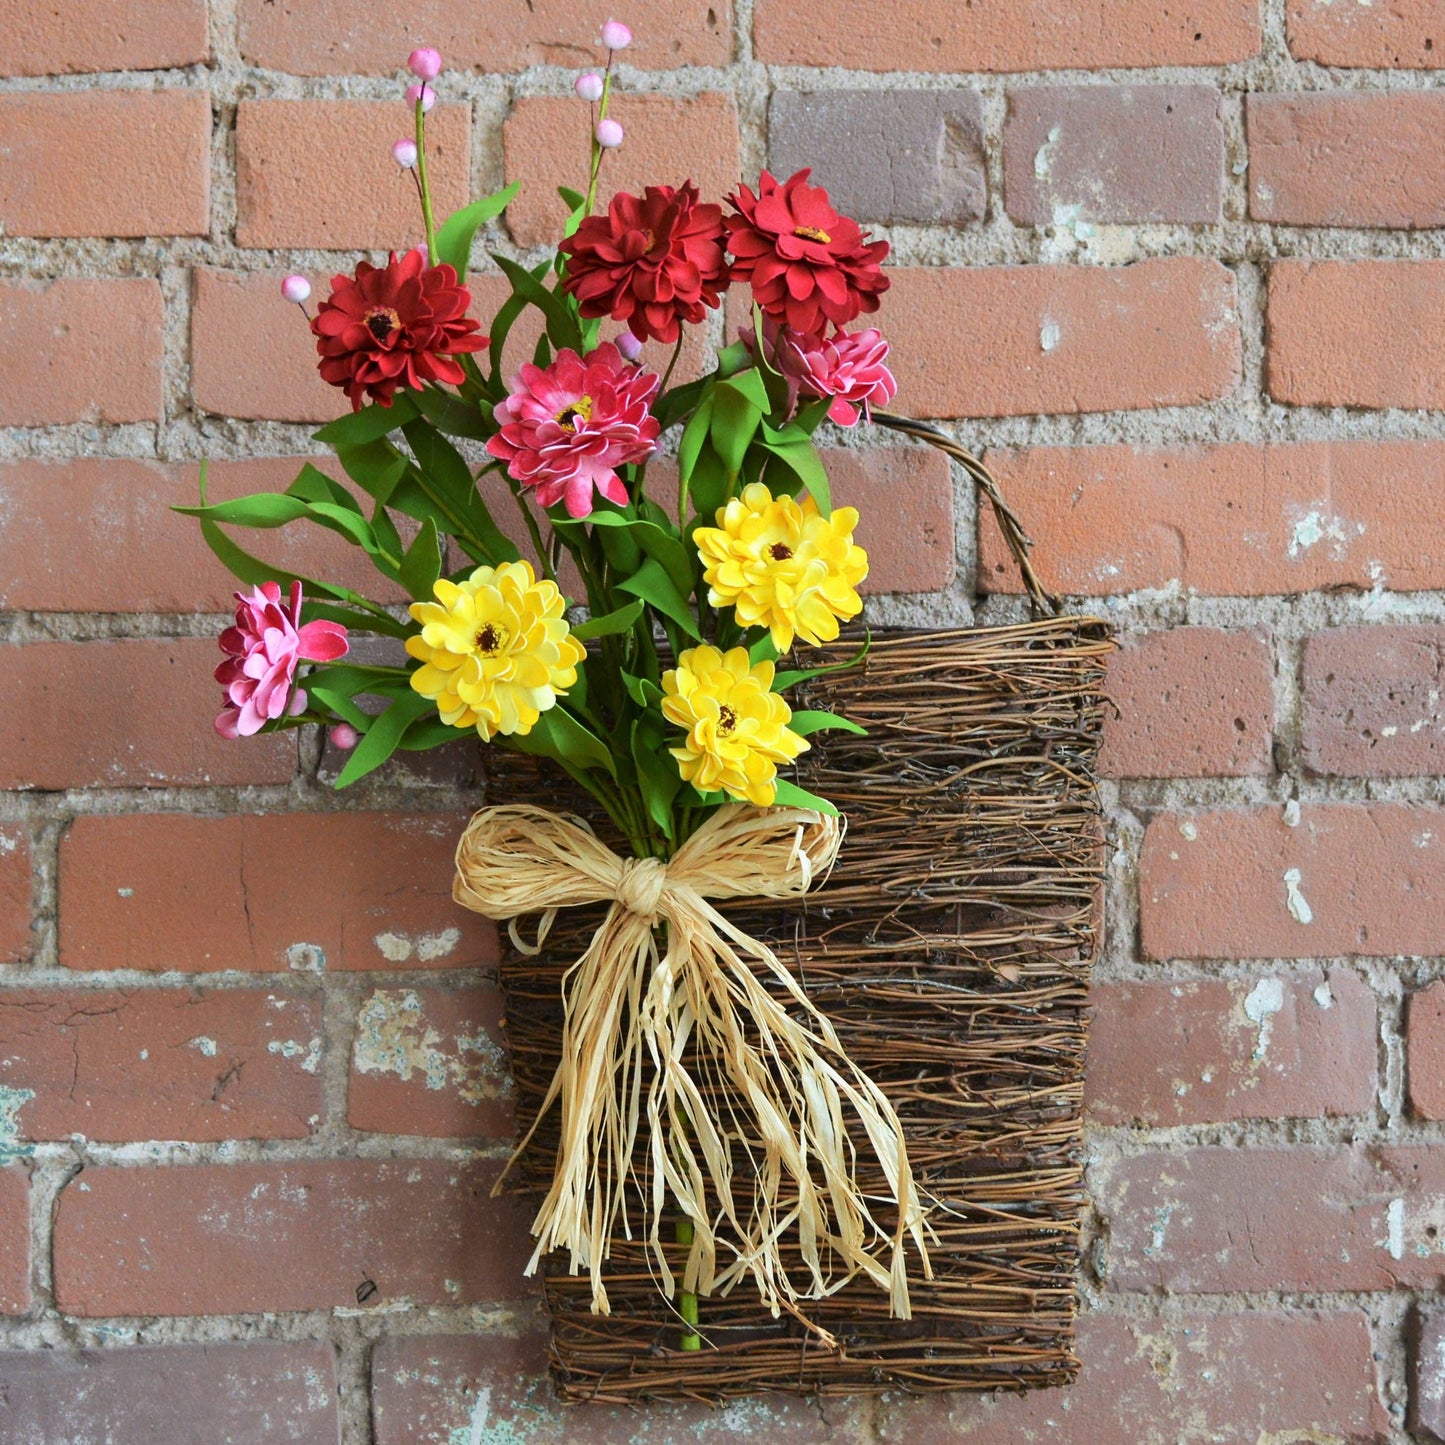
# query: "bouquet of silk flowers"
{"points": [[694, 526]]}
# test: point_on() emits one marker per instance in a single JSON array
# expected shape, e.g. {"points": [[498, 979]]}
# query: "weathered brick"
{"points": [[1062, 338], [79, 350], [91, 35], [1016, 35], [119, 714], [285, 1236], [1348, 880], [1319, 355], [1264, 1375], [249, 1394], [431, 1061], [332, 37], [1426, 1339], [1409, 34], [886, 155], [106, 163], [668, 141], [1425, 1051], [1214, 1220], [161, 1064], [1346, 158], [298, 891], [16, 891], [434, 1389], [1204, 1052], [319, 173], [1230, 519], [14, 1247], [1113, 154], [1372, 701], [1192, 702]]}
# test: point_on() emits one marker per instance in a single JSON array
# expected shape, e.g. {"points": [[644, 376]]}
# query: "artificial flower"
{"points": [[263, 650], [807, 265], [566, 428], [783, 566], [849, 367], [737, 726], [652, 262], [394, 326], [496, 650]]}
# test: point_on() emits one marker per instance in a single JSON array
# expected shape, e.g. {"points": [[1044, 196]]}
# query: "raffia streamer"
{"points": [[626, 1004]]}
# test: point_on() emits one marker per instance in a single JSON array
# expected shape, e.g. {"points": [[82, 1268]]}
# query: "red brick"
{"points": [[431, 1061], [90, 35], [80, 350], [1214, 1220], [1113, 153], [1225, 520], [435, 1389], [332, 37], [126, 1396], [668, 140], [1015, 35], [125, 714], [1406, 34], [319, 173], [16, 890], [162, 1064], [1372, 879], [1372, 701], [296, 891], [1320, 355], [1196, 702], [1206, 1051], [1346, 158], [285, 1236], [1425, 1051], [1263, 1376], [106, 163], [14, 1247], [93, 534], [1061, 338], [1426, 1342]]}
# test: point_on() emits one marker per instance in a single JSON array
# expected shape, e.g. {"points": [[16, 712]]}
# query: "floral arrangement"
{"points": [[698, 523]]}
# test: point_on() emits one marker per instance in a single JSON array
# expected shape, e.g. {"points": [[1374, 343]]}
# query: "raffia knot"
{"points": [[639, 890]]}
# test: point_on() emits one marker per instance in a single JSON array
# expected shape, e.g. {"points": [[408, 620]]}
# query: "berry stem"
{"points": [[423, 190], [596, 145]]}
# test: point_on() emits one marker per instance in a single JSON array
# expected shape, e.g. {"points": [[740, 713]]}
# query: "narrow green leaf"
{"points": [[801, 459], [562, 326], [784, 680], [790, 795], [694, 435], [375, 466], [443, 468], [454, 238], [749, 384], [735, 422], [806, 723], [657, 774], [383, 736], [609, 625], [643, 691], [369, 424], [763, 650], [652, 583], [422, 564], [557, 734], [455, 417], [659, 542]]}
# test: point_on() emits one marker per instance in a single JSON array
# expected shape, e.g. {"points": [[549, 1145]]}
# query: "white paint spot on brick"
{"points": [[309, 1054], [425, 947], [125, 892], [11, 1103], [1299, 909], [393, 1037], [1049, 334], [1265, 1000], [1316, 526], [1043, 157], [8, 843], [1291, 813], [205, 1046], [1395, 1227], [1323, 996], [306, 958], [1157, 1235], [1188, 831]]}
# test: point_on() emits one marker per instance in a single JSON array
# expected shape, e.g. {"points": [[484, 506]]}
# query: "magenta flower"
{"points": [[849, 367], [566, 429], [263, 651]]}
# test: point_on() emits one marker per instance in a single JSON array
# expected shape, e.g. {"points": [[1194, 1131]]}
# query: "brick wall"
{"points": [[1176, 268]]}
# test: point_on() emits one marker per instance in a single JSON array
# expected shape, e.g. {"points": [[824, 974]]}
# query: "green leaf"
{"points": [[806, 723], [422, 564], [263, 510], [657, 774], [576, 204], [677, 401], [375, 466], [784, 680], [800, 458], [557, 734], [749, 384], [383, 736], [694, 435], [562, 327], [733, 359], [444, 468], [454, 239], [709, 485], [643, 691], [659, 542], [763, 650], [369, 424], [457, 418], [340, 704], [735, 422], [354, 618], [313, 485], [790, 795], [610, 624], [570, 197], [430, 732], [652, 583]]}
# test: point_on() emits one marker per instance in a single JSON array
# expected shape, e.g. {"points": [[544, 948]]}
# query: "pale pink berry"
{"points": [[296, 288], [425, 64], [589, 86], [616, 36], [423, 93], [629, 346], [345, 737], [609, 134], [404, 154], [422, 251]]}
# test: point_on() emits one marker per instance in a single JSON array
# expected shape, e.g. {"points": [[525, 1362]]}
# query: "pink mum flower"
{"points": [[567, 427], [849, 367], [263, 651]]}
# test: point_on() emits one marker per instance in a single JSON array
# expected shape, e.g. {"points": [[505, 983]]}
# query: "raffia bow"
{"points": [[787, 1075]]}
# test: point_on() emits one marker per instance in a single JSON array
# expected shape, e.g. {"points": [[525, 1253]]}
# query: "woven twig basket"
{"points": [[951, 948]]}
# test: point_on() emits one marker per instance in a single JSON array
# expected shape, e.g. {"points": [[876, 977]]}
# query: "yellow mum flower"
{"points": [[782, 566], [737, 727], [497, 649]]}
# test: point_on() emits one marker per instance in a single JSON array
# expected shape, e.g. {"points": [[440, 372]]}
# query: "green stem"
{"points": [[421, 182], [543, 560], [676, 352], [687, 1302], [596, 148]]}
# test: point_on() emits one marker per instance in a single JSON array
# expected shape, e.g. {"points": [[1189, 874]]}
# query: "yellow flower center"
{"points": [[579, 410], [727, 719], [491, 640], [812, 233], [381, 321]]}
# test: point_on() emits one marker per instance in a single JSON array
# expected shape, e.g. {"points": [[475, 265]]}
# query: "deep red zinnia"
{"points": [[394, 326], [807, 264], [652, 262]]}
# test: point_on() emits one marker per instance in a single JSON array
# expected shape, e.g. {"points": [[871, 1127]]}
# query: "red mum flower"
{"points": [[807, 264], [397, 326], [652, 262]]}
